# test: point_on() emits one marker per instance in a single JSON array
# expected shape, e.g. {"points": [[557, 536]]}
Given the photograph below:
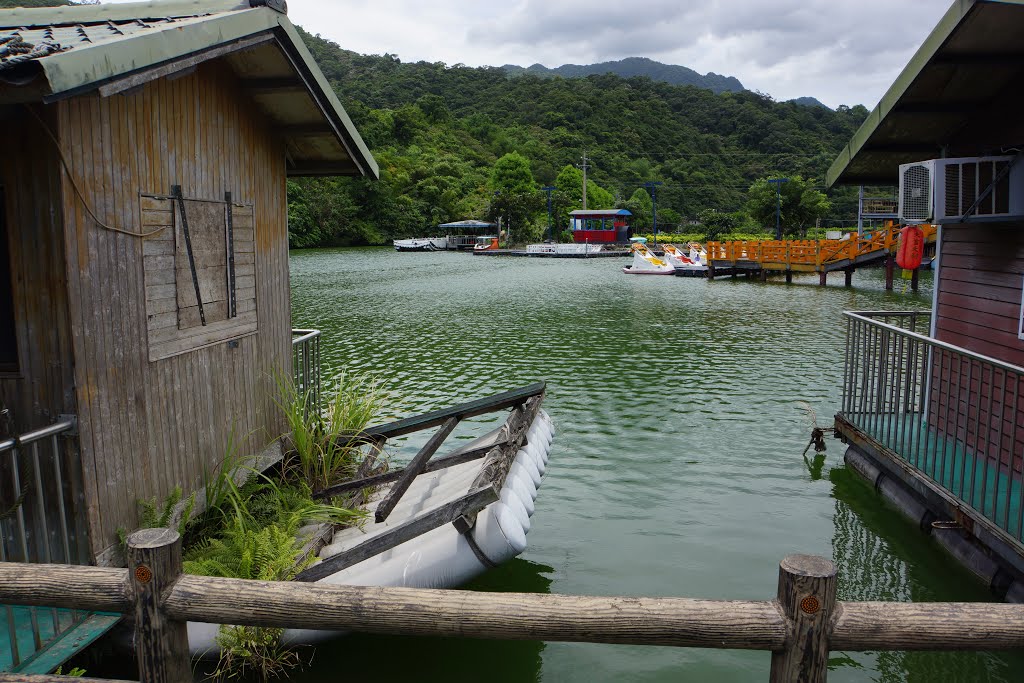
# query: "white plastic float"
{"points": [[441, 558]]}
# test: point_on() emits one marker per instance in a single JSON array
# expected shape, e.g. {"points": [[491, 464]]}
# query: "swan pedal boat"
{"points": [[646, 263]]}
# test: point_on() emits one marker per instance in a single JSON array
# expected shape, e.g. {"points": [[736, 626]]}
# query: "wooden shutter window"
{"points": [[221, 238]]}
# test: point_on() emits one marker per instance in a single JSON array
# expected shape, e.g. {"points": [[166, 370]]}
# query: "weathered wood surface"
{"points": [[414, 468], [471, 503], [463, 411], [861, 626], [498, 461], [161, 644], [514, 616], [393, 475], [807, 596], [759, 625], [100, 589], [147, 427]]}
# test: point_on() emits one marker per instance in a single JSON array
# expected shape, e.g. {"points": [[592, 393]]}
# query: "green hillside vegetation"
{"points": [[438, 131]]}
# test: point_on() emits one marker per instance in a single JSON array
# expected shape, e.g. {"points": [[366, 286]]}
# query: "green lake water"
{"points": [[676, 468]]}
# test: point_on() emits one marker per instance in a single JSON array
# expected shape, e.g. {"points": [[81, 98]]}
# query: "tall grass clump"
{"points": [[322, 438]]}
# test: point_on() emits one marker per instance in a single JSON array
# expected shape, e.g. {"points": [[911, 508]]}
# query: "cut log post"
{"points": [[823, 278], [789, 277], [849, 277], [807, 596], [161, 644]]}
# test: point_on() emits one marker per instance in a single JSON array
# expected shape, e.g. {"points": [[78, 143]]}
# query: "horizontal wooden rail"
{"points": [[463, 411], [799, 627]]}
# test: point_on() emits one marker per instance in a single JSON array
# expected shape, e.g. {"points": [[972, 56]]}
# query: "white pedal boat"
{"points": [[646, 263]]}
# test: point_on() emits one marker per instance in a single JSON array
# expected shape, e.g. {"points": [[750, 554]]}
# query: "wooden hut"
{"points": [[146, 305], [933, 405]]}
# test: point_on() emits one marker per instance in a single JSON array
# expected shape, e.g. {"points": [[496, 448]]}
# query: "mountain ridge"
{"points": [[630, 67]]}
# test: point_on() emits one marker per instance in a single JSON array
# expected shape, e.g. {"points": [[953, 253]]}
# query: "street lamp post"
{"points": [[777, 182], [654, 207]]}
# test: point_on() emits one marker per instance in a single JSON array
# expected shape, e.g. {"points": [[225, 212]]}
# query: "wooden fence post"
{"points": [[807, 595], [161, 645]]}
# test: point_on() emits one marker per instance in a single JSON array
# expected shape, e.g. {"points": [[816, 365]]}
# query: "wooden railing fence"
{"points": [[800, 626]]}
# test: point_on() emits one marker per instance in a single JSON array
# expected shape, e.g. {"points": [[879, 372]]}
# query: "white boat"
{"points": [[563, 249], [443, 557], [646, 263], [422, 244], [695, 259]]}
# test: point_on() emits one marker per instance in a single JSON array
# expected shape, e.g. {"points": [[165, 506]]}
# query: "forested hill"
{"points": [[632, 67], [438, 130]]}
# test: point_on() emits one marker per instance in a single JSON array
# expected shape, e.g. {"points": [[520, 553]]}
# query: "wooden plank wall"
{"points": [[43, 388], [981, 282], [149, 426]]}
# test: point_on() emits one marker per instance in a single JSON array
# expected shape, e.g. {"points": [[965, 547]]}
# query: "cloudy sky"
{"points": [[840, 51]]}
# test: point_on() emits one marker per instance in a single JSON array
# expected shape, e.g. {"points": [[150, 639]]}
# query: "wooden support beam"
{"points": [[471, 503], [848, 277], [273, 86], [137, 78], [823, 278], [789, 277], [104, 589], [807, 596], [463, 411], [734, 624], [914, 279], [414, 469], [161, 644], [393, 475]]}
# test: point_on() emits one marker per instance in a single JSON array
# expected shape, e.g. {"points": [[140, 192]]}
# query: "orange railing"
{"points": [[809, 255]]}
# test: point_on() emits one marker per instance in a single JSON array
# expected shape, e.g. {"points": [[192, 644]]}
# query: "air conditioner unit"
{"points": [[945, 190]]}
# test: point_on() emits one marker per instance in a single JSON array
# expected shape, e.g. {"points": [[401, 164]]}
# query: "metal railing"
{"points": [[306, 365], [954, 415], [41, 521]]}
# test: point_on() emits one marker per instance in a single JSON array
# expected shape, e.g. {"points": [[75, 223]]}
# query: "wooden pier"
{"points": [[784, 257]]}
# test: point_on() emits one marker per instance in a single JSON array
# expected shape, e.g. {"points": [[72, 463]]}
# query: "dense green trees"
{"points": [[801, 205], [438, 133]]}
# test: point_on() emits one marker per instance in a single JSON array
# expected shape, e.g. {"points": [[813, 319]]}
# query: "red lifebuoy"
{"points": [[911, 248]]}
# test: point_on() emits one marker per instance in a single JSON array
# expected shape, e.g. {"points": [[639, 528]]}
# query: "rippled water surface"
{"points": [[676, 468]]}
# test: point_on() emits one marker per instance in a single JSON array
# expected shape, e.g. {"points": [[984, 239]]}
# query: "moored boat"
{"points": [[486, 243], [696, 257], [646, 263], [422, 244]]}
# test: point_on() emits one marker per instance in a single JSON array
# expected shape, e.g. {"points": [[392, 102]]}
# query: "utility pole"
{"points": [[777, 182], [860, 212], [585, 166], [654, 206], [549, 189]]}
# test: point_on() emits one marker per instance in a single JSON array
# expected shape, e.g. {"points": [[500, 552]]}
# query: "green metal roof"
{"points": [[960, 95], [59, 52]]}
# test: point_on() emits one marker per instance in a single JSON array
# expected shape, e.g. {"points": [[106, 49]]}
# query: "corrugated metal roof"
{"points": [[959, 95], [109, 48]]}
